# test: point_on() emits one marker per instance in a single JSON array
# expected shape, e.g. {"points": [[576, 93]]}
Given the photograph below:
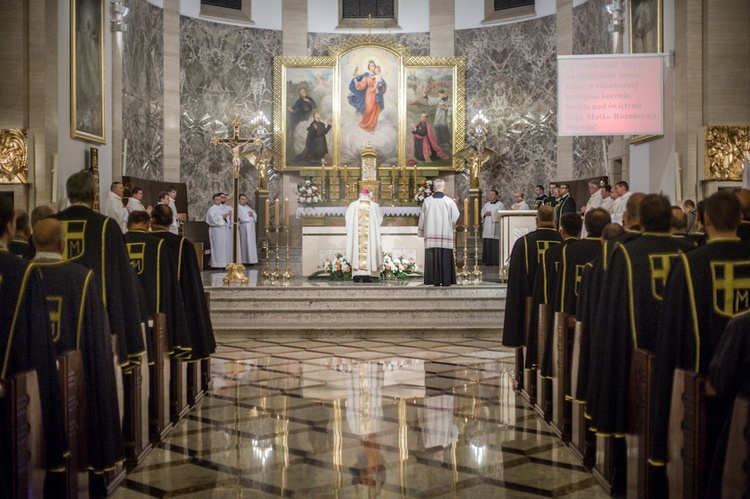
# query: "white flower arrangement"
{"points": [[424, 191], [307, 193], [337, 268], [398, 266]]}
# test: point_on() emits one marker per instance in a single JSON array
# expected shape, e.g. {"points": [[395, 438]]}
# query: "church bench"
{"points": [[75, 409], [736, 478], [582, 440], [159, 422], [563, 327], [178, 402], [543, 405], [136, 414], [640, 393], [527, 379]]}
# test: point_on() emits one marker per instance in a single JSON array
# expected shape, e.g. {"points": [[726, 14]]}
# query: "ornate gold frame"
{"points": [[281, 64], [98, 136], [724, 147]]}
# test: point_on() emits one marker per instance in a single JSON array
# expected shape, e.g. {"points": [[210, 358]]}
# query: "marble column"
{"points": [[117, 105], [564, 47], [171, 91], [442, 28]]}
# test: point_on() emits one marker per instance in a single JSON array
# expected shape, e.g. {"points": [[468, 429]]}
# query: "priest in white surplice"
{"points": [[248, 219], [439, 213], [113, 207], [364, 250], [219, 233], [491, 230]]}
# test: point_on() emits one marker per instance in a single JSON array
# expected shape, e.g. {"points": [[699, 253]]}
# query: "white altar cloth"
{"points": [[340, 211]]}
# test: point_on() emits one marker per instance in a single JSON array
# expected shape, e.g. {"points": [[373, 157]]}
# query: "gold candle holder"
{"points": [[276, 271], [287, 275], [477, 270], [455, 244], [465, 274], [267, 249]]}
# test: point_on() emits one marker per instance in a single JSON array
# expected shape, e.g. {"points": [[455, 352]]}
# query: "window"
{"points": [[227, 4], [509, 4], [368, 14], [496, 11], [228, 10]]}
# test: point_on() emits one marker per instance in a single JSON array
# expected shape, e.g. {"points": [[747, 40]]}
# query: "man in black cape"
{"points": [[565, 204], [151, 260], [95, 241], [316, 146], [526, 256], [78, 321], [26, 336], [185, 265], [22, 245], [706, 288]]}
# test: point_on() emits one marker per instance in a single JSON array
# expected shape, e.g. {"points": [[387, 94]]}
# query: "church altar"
{"points": [[513, 225]]}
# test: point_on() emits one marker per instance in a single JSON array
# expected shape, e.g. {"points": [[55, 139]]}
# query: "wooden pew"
{"points": [[22, 433], [609, 468], [687, 432], [640, 395], [178, 403], [206, 381], [136, 417], [543, 405], [527, 379], [563, 327], [195, 390], [75, 408], [736, 478], [582, 440], [159, 422]]}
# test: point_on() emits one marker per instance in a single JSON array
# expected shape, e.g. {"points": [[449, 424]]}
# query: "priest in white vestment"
{"points": [[618, 208], [439, 213], [113, 207], [491, 230], [219, 233], [175, 227], [364, 250], [247, 219], [595, 201]]}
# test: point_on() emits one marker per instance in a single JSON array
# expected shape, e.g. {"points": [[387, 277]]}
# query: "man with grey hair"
{"points": [[95, 241], [113, 207], [439, 213]]}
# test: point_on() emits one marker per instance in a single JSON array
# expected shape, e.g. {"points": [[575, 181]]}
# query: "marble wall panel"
{"points": [[225, 72], [511, 75], [143, 90], [318, 43], [588, 152]]}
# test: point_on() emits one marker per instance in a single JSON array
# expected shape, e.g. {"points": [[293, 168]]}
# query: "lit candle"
{"points": [[393, 174], [276, 212], [466, 212], [476, 211], [415, 176], [268, 212], [345, 174], [124, 156], [54, 179], [286, 212]]}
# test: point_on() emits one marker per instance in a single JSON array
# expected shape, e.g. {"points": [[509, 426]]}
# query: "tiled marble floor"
{"points": [[353, 418]]}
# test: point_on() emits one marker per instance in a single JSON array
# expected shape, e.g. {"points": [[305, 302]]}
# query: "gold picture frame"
{"points": [[87, 91], [724, 151], [646, 35], [349, 135]]}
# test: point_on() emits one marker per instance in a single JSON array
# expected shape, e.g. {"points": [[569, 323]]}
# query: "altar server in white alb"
{"points": [[439, 213], [248, 219], [113, 207], [364, 250], [220, 233], [491, 230]]}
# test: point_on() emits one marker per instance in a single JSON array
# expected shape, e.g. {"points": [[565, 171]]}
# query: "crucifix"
{"points": [[235, 143]]}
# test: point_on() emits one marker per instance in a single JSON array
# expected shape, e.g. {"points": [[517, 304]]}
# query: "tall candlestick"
{"points": [[345, 174], [276, 212], [476, 211], [403, 171], [393, 174], [322, 174], [466, 212], [286, 212], [124, 156], [268, 212], [415, 176], [54, 179]]}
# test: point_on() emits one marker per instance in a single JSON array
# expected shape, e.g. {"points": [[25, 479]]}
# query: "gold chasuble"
{"points": [[363, 248], [363, 233]]}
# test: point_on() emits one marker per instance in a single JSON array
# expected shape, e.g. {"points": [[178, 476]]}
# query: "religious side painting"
{"points": [[309, 114], [369, 92], [87, 70], [430, 112], [645, 18]]}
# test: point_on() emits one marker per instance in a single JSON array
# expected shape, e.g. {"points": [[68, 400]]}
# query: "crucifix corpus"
{"points": [[235, 143]]}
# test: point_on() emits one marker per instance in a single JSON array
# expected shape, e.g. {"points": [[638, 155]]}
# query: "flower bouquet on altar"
{"points": [[337, 268], [307, 193], [424, 191], [397, 267]]}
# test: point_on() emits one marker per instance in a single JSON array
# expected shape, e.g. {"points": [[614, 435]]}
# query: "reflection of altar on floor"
{"points": [[324, 234]]}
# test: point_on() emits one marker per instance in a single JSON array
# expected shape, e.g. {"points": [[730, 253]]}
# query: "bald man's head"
{"points": [[49, 235]]}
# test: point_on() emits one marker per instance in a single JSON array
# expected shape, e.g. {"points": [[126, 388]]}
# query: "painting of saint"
{"points": [[369, 79], [645, 26], [87, 100], [429, 113], [308, 95]]}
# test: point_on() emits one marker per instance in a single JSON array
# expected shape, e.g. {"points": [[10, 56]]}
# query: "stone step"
{"points": [[293, 304], [334, 290], [358, 331], [353, 315]]}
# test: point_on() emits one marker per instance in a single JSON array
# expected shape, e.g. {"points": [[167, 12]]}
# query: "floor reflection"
{"points": [[347, 418]]}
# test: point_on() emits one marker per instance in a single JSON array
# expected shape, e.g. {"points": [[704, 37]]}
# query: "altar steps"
{"points": [[319, 310]]}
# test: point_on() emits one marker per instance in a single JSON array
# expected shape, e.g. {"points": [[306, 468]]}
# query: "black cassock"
{"points": [[22, 248], [95, 241], [185, 263], [543, 293], [316, 146], [151, 260], [706, 288], [573, 259], [565, 204], [78, 321], [632, 301], [526, 256], [26, 339]]}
